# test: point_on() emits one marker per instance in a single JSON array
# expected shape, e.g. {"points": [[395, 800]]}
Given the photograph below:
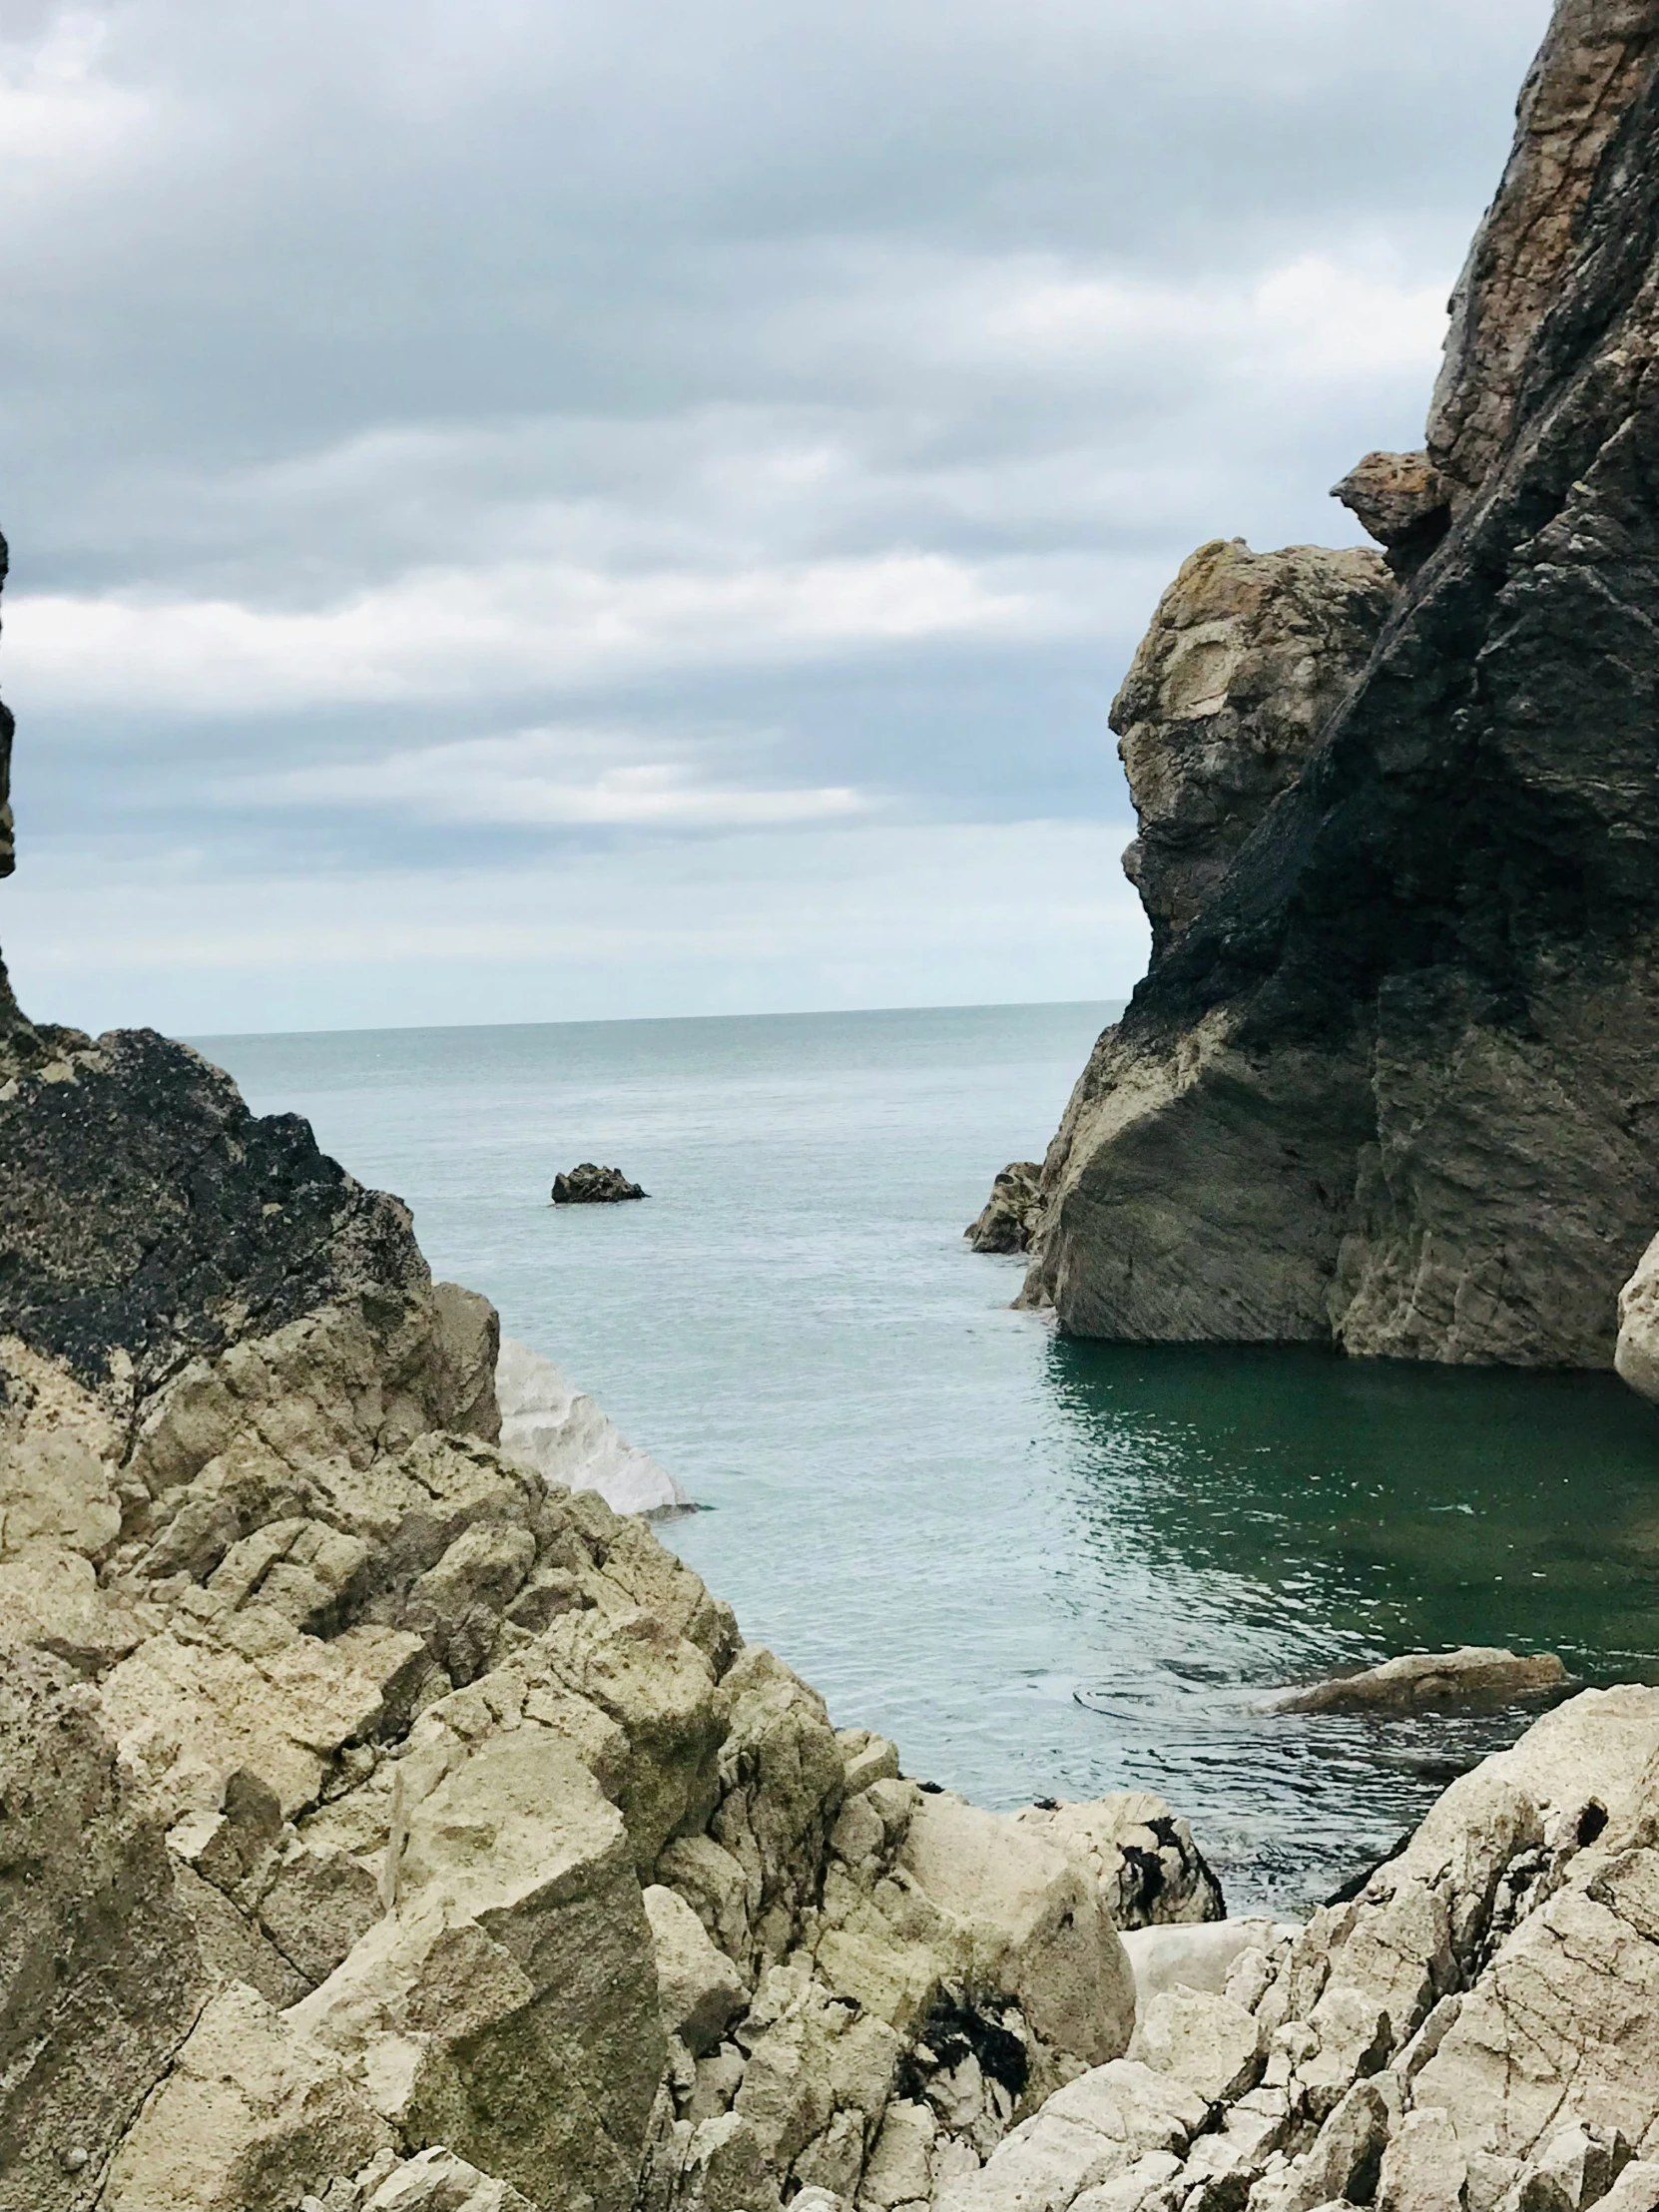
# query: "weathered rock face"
{"points": [[1390, 1084], [100, 1978], [1247, 658], [1009, 1214]]}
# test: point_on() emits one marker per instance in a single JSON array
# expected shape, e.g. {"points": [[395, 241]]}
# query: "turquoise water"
{"points": [[1045, 1567]]}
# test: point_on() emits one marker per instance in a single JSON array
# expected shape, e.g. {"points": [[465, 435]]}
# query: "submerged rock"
{"points": [[1381, 1086], [1010, 1212], [589, 1185], [1478, 1674]]}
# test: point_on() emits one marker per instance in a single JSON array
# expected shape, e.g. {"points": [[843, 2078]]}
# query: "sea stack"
{"points": [[589, 1185], [1389, 1080]]}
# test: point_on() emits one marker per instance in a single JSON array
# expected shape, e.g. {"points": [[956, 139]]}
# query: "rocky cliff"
{"points": [[1389, 1081]]}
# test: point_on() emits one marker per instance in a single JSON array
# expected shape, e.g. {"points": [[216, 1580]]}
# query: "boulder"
{"points": [[1016, 1916], [1476, 1674], [1248, 656], [1404, 503], [1200, 1957], [1010, 1212], [1097, 2128], [1141, 1852], [1206, 2041], [589, 1185], [437, 2181]]}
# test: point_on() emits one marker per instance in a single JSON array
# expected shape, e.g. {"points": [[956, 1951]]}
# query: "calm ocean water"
{"points": [[1046, 1568]]}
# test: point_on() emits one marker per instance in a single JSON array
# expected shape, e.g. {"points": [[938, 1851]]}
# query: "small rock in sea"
{"points": [[1011, 1212], [1478, 1674], [588, 1185]]}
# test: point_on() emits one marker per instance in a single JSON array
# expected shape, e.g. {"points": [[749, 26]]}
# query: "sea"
{"points": [[1047, 1568]]}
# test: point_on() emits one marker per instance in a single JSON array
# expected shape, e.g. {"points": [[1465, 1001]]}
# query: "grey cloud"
{"points": [[359, 324]]}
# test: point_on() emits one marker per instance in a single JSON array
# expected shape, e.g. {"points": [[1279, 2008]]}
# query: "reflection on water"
{"points": [[1273, 1514], [1045, 1569]]}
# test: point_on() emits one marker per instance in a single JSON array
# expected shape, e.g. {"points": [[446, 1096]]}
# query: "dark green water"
{"points": [[1045, 1567]]}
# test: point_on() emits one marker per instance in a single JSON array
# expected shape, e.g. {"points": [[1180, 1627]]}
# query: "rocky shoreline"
{"points": [[388, 1825]]}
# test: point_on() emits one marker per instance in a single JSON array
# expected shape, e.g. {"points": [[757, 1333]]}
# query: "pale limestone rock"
{"points": [[318, 1904], [1010, 1212], [1213, 2045], [1563, 2026], [1089, 2133], [700, 1991], [99, 1974], [1017, 1916], [726, 2170], [1244, 663], [1636, 1356], [1142, 2184], [1344, 2159], [1200, 1957], [717, 2081], [250, 2116], [50, 1599], [518, 1949], [55, 1490], [1636, 2189], [716, 1887], [548, 1424], [437, 2181], [660, 1691], [1423, 2168], [813, 2060], [1141, 1853], [867, 1758], [782, 1779], [900, 2170], [1402, 501], [1476, 1674], [1574, 2170], [190, 1714]]}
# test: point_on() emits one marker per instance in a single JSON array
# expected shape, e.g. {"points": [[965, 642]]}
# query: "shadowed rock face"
{"points": [[1394, 1084]]}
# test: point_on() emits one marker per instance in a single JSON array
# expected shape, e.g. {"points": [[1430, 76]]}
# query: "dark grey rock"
{"points": [[589, 1185]]}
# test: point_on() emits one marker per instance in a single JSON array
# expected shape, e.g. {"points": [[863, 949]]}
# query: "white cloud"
{"points": [[467, 632], [534, 778], [60, 118]]}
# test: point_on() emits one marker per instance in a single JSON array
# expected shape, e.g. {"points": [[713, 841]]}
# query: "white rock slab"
{"points": [[556, 1429]]}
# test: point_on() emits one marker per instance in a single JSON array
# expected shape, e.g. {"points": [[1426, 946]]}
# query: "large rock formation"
{"points": [[1389, 1081]]}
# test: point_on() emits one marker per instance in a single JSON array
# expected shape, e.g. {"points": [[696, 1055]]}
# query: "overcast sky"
{"points": [[535, 509]]}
